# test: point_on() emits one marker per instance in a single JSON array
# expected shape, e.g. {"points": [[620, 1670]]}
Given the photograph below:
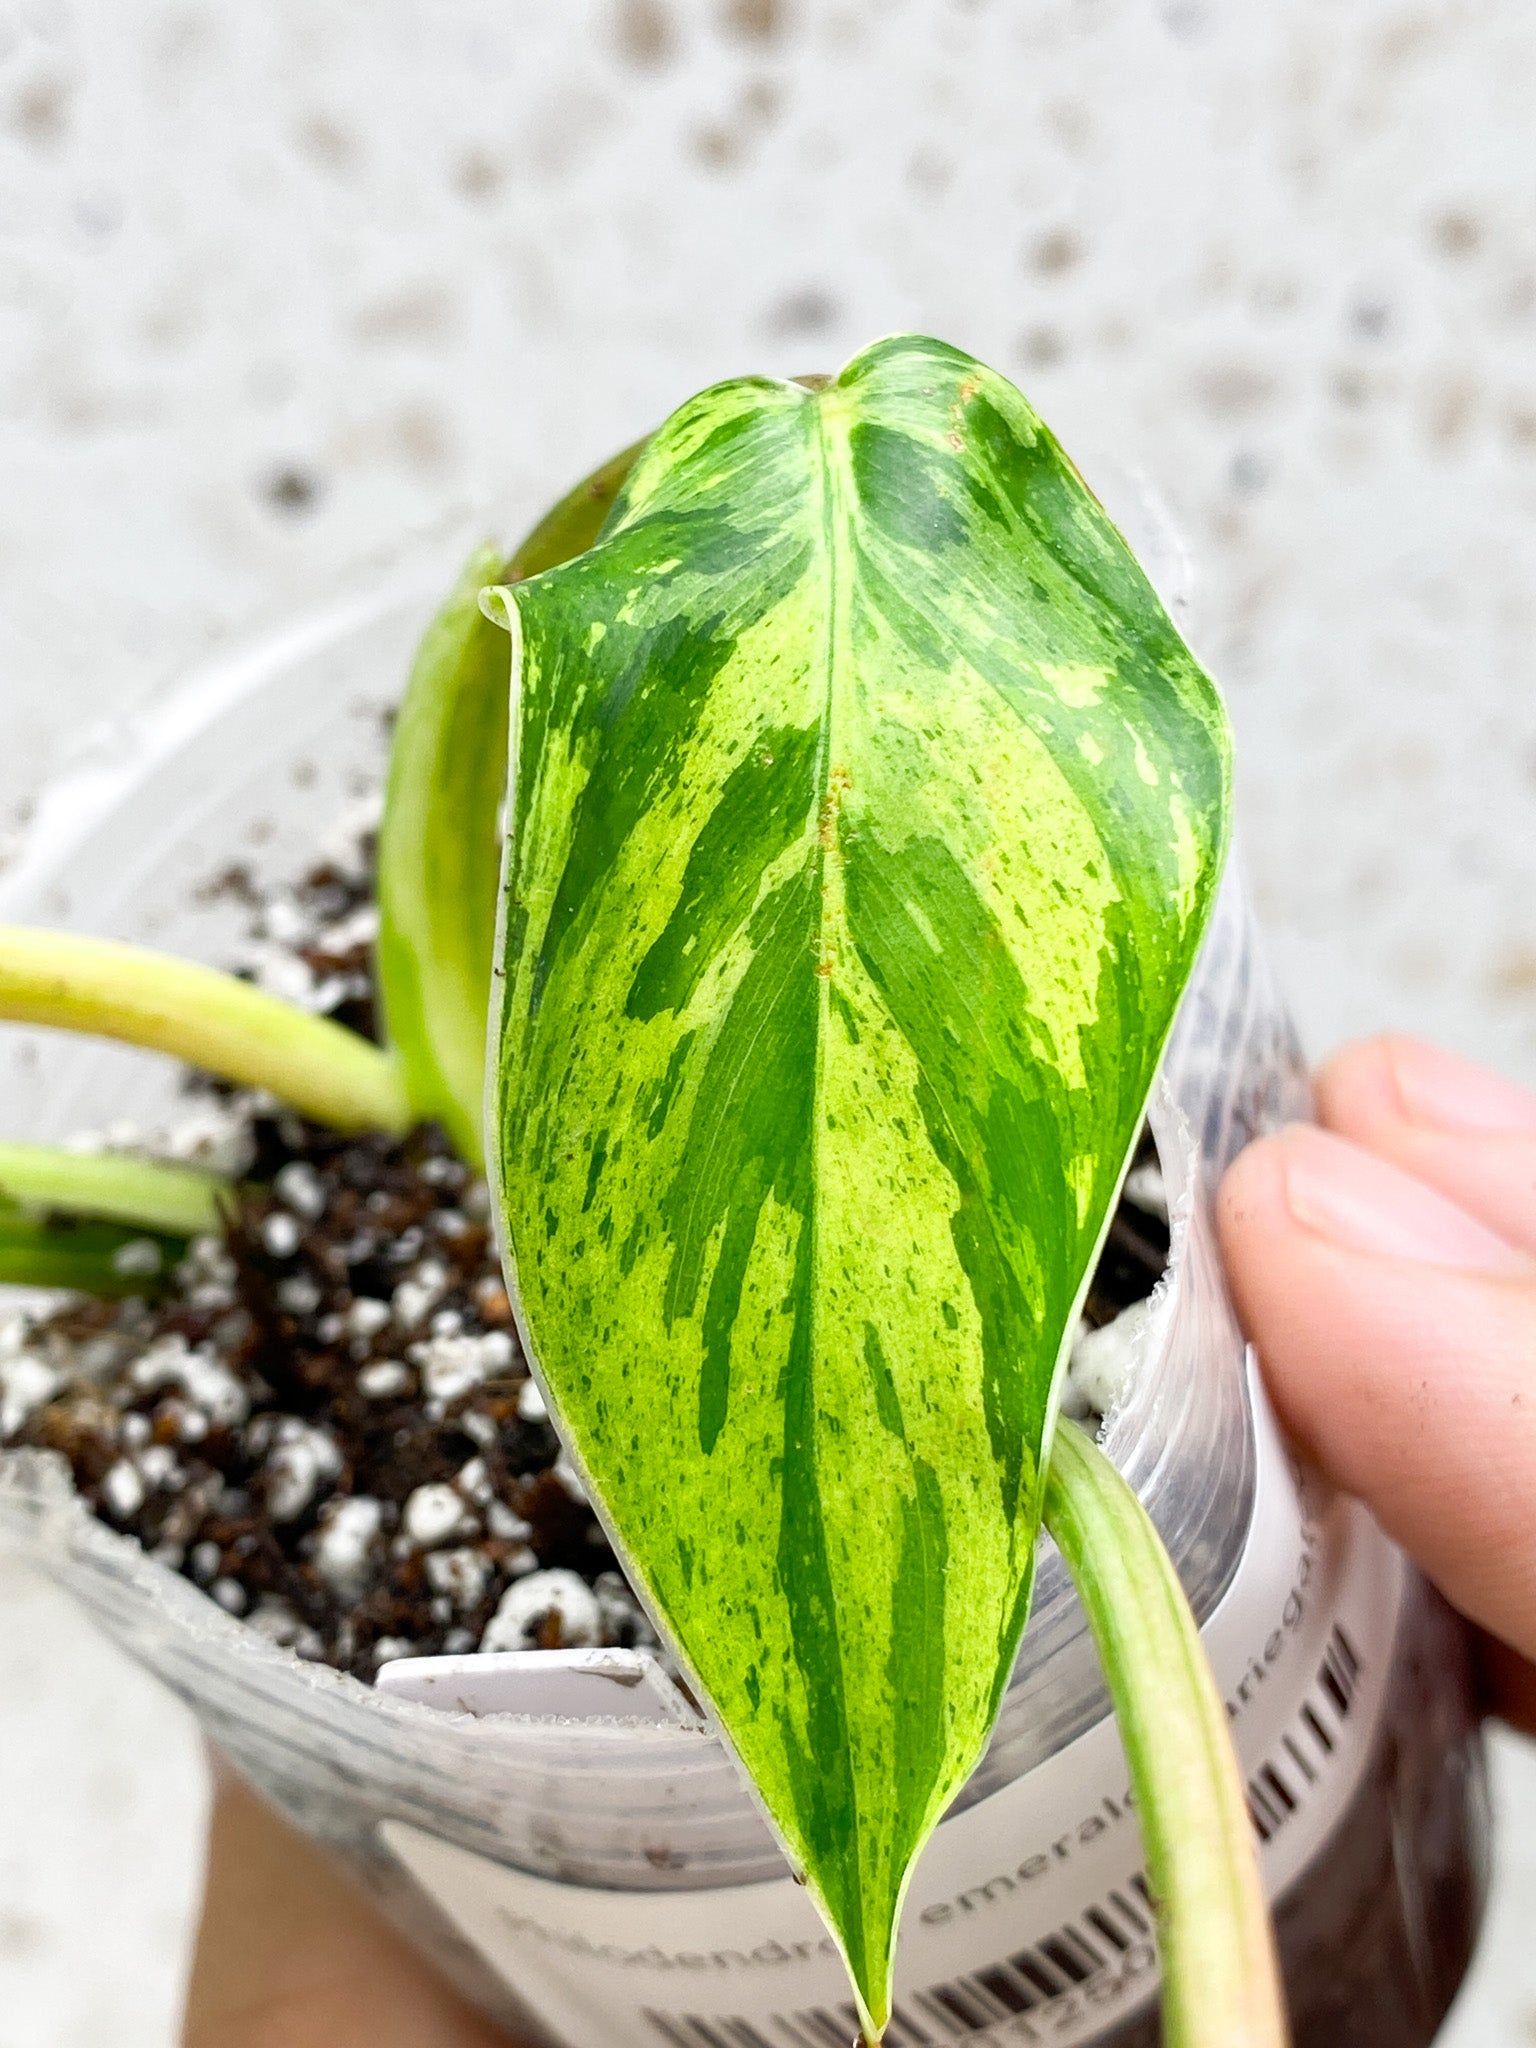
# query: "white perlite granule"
{"points": [[1145, 1190], [523, 1607], [345, 1541], [298, 1187], [459, 1575], [277, 1620], [207, 1383], [433, 1514], [1104, 1360], [418, 1292], [138, 1258], [569, 1478], [158, 1468], [207, 1264], [531, 1405], [383, 1379], [286, 923], [280, 1234], [507, 1526], [450, 1366], [302, 1457], [299, 1295], [342, 846], [359, 927], [216, 1136], [25, 1385], [123, 1490], [473, 1480], [620, 1611], [366, 1317]]}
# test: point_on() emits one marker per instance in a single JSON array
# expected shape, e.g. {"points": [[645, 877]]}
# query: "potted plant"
{"points": [[865, 817]]}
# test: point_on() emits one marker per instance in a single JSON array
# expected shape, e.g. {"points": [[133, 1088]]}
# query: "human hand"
{"points": [[1385, 1267], [291, 1955]]}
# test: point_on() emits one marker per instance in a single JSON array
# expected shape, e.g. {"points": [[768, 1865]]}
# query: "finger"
{"points": [[290, 1955], [1467, 1132], [1398, 1338]]}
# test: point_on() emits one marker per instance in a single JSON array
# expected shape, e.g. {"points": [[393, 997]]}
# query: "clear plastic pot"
{"points": [[610, 1878]]}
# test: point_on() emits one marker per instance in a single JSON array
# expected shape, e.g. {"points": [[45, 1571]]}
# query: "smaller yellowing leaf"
{"points": [[440, 837]]}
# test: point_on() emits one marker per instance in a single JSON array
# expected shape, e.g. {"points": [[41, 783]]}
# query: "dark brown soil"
{"points": [[351, 1343]]}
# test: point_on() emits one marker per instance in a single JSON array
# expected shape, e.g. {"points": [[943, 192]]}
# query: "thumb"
{"points": [[1397, 1334]]}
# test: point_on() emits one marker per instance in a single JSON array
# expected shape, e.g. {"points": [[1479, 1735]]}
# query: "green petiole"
{"points": [[177, 1199], [87, 1258], [1221, 1985], [210, 1020]]}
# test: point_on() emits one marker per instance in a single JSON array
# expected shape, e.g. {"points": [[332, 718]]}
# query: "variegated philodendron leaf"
{"points": [[440, 836], [867, 813]]}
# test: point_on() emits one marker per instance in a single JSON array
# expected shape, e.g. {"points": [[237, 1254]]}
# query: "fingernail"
{"points": [[1364, 1205], [1451, 1094]]}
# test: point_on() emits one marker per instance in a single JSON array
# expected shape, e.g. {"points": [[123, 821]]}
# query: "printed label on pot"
{"points": [[1028, 1918]]}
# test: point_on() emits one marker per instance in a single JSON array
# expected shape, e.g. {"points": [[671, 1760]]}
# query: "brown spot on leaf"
{"points": [[839, 782]]}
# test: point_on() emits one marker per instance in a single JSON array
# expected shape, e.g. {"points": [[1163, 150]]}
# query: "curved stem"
{"points": [[145, 1192], [209, 1019], [1221, 1983]]}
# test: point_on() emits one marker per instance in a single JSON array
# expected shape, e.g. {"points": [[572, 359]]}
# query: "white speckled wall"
{"points": [[286, 288]]}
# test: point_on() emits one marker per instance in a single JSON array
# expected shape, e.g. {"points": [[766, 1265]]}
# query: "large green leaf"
{"points": [[440, 836], [867, 813]]}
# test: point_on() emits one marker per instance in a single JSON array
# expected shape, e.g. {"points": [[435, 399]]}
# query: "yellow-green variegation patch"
{"points": [[867, 810]]}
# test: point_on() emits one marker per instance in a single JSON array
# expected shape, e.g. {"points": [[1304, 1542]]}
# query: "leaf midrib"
{"points": [[829, 879]]}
